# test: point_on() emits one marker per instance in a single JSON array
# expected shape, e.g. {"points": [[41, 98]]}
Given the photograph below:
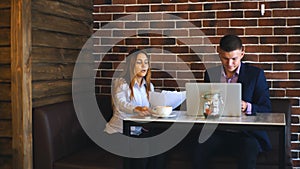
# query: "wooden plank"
{"points": [[52, 71], [5, 110], [61, 9], [44, 21], [5, 3], [6, 162], [5, 55], [58, 40], [5, 93], [5, 128], [5, 18], [21, 84], [4, 36], [88, 4], [53, 55], [51, 100], [5, 147], [43, 89], [5, 75]]}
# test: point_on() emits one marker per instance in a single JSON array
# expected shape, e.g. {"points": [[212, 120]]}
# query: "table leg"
{"points": [[282, 150]]}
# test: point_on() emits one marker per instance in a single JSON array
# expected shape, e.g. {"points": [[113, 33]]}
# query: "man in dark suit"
{"points": [[245, 145]]}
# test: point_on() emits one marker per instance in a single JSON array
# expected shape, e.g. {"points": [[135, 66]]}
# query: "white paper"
{"points": [[167, 98]]}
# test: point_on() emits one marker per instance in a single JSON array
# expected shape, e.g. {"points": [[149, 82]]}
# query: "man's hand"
{"points": [[244, 106]]}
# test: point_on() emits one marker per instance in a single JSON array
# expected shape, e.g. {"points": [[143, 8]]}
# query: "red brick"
{"points": [[112, 8], [258, 31], [202, 15], [286, 84], [101, 2], [224, 31], [287, 31], [292, 92], [273, 40], [285, 48], [243, 23], [209, 31], [286, 13], [175, 16], [190, 57], [175, 1], [190, 75], [163, 58], [123, 33], [148, 1], [150, 33], [122, 49], [294, 75], [165, 24], [105, 65], [216, 6], [177, 49], [137, 8], [162, 41], [112, 25], [293, 4], [137, 41], [163, 74], [215, 23], [276, 75], [177, 33], [102, 17], [230, 14], [189, 7], [294, 40], [251, 57], [272, 22], [249, 40], [273, 5], [257, 14], [272, 58], [200, 66], [112, 41], [189, 41], [136, 25], [262, 66], [244, 5], [294, 58], [150, 16], [174, 83], [157, 8], [277, 92], [124, 17], [124, 1], [286, 66], [293, 22], [295, 129], [296, 111]]}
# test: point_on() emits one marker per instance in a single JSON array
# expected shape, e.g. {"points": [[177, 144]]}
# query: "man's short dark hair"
{"points": [[230, 43]]}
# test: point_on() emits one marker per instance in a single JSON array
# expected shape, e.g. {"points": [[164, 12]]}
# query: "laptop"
{"points": [[230, 94]]}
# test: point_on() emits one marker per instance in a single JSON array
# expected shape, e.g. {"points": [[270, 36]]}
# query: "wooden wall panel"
{"points": [[59, 30], [4, 36], [4, 55]]}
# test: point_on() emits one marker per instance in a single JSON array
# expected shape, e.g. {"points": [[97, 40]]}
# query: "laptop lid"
{"points": [[230, 94]]}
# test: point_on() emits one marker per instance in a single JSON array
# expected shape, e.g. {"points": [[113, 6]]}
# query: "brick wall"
{"points": [[182, 37]]}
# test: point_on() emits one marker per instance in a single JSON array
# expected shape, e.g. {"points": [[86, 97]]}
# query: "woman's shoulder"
{"points": [[120, 83]]}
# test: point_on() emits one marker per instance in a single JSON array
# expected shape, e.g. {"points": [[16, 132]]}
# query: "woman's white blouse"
{"points": [[122, 105]]}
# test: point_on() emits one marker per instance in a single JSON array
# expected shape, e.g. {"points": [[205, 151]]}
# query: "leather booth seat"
{"points": [[59, 142]]}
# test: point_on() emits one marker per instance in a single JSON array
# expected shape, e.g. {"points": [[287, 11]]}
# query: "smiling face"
{"points": [[141, 65], [231, 60]]}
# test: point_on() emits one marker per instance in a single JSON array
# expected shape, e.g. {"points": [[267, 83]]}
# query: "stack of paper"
{"points": [[167, 98]]}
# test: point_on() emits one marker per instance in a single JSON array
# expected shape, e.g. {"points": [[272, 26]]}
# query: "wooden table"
{"points": [[261, 121]]}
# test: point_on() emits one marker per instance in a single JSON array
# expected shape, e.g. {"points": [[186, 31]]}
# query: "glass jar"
{"points": [[212, 106]]}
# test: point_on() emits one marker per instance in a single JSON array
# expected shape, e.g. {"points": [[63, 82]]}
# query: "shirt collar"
{"points": [[137, 84], [237, 72]]}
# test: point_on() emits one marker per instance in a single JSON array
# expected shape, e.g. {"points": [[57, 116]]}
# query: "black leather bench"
{"points": [[60, 143]]}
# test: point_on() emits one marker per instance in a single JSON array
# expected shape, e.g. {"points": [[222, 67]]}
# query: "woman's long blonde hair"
{"points": [[129, 74]]}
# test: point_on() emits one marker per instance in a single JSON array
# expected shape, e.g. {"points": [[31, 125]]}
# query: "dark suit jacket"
{"points": [[254, 90]]}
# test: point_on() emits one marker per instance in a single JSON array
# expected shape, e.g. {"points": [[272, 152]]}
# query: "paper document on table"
{"points": [[167, 98]]}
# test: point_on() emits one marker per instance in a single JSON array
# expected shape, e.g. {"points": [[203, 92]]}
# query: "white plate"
{"points": [[162, 116]]}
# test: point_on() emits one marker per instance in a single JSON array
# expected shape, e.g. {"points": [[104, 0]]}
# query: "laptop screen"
{"points": [[229, 95]]}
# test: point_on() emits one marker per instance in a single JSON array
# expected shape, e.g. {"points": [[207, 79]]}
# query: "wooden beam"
{"points": [[21, 84]]}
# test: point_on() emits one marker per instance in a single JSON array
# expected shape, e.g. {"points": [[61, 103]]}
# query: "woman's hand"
{"points": [[142, 110], [244, 106]]}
